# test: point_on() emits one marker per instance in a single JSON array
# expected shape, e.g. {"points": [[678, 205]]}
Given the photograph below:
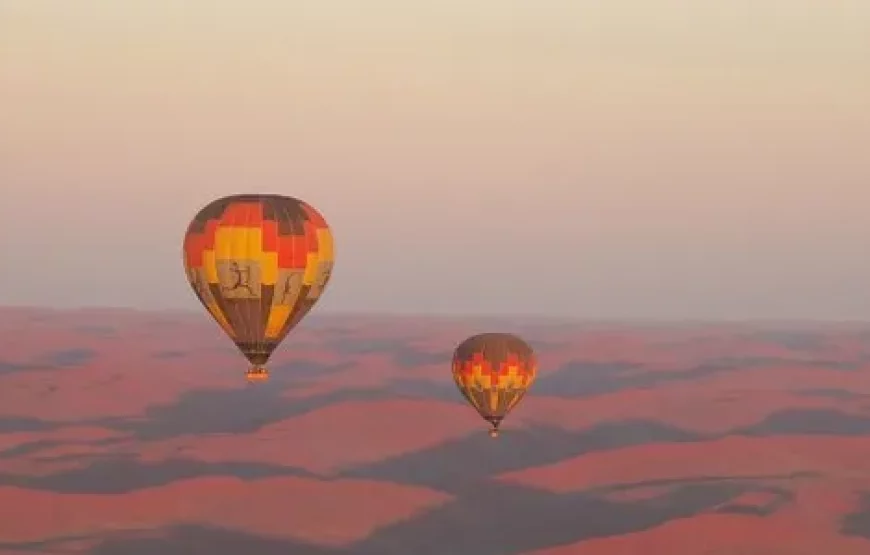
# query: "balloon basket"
{"points": [[257, 374]]}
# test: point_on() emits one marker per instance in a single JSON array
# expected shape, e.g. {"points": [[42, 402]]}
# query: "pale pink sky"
{"points": [[609, 158]]}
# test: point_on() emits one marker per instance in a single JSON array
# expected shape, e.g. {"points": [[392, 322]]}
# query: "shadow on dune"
{"points": [[495, 519], [799, 341], [123, 474], [457, 465], [55, 360], [833, 393], [229, 411], [400, 349], [68, 358], [12, 367], [184, 540], [300, 370], [20, 424], [858, 522], [583, 379], [809, 421]]}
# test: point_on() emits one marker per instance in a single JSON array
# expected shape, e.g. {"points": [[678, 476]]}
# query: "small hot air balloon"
{"points": [[493, 371], [258, 263]]}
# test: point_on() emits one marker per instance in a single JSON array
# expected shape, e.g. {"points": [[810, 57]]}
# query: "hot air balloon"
{"points": [[258, 263], [493, 371]]}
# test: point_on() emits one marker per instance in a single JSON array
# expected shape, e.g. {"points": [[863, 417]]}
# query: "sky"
{"points": [[656, 159]]}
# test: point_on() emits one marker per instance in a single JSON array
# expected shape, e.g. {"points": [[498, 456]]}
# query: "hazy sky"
{"points": [[609, 158]]}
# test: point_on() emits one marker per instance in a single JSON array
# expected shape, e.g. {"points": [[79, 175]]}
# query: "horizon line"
{"points": [[638, 320]]}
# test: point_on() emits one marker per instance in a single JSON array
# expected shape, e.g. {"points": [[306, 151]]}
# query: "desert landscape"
{"points": [[127, 432]]}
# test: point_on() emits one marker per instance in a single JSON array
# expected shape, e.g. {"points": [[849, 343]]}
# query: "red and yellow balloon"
{"points": [[258, 263], [493, 371]]}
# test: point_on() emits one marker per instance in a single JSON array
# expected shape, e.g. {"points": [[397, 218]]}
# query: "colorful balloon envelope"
{"points": [[258, 264], [493, 371]]}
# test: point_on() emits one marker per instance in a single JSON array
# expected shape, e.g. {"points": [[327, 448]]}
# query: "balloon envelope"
{"points": [[493, 371], [258, 263]]}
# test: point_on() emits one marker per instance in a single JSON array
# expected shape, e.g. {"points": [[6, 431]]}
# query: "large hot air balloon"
{"points": [[258, 263], [493, 371]]}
